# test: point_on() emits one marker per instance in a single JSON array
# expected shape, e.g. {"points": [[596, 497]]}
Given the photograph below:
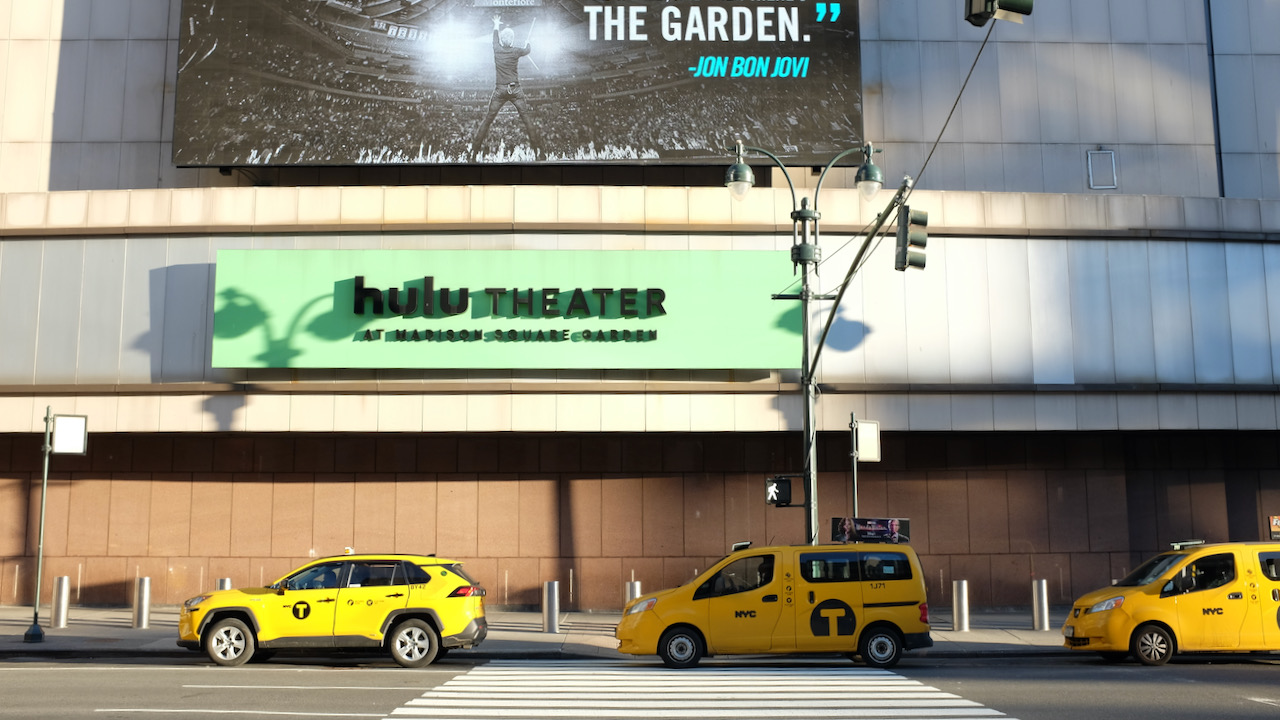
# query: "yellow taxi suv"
{"points": [[417, 607], [1196, 598], [863, 600]]}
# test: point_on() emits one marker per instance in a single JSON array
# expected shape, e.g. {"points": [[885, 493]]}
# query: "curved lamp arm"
{"points": [[739, 148], [817, 190]]}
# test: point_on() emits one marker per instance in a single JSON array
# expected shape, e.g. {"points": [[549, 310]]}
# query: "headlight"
{"points": [[193, 602], [1108, 604], [642, 606]]}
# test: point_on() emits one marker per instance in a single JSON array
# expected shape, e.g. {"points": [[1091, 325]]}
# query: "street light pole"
{"points": [[805, 254]]}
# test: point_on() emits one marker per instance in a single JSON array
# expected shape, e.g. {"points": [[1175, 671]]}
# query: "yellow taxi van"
{"points": [[858, 599], [1221, 597]]}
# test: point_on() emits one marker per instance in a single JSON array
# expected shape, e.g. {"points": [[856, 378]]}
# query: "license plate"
{"points": [[1069, 631]]}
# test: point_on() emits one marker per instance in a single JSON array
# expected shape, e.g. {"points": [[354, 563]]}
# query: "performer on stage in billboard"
{"points": [[506, 60]]}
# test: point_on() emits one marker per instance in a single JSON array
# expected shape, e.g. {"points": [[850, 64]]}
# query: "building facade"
{"points": [[1086, 370]]}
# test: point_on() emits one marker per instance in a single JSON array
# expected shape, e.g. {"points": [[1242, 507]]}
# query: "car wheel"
{"points": [[881, 647], [680, 647], [1113, 656], [414, 644], [229, 642], [1152, 645]]}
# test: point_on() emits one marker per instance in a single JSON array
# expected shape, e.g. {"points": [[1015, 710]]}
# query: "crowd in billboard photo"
{"points": [[323, 82]]}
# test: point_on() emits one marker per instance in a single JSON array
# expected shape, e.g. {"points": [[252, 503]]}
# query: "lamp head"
{"points": [[869, 178], [739, 178]]}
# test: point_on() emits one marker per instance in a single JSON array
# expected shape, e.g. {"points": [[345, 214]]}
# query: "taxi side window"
{"points": [[885, 566], [1212, 572], [741, 575], [316, 577], [416, 575], [1270, 563], [377, 574], [829, 567]]}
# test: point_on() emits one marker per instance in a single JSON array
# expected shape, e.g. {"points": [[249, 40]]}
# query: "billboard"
{"points": [[499, 309], [881, 530], [435, 82]]}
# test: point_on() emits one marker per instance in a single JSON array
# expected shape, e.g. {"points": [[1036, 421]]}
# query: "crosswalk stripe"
{"points": [[735, 712], [511, 690], [685, 695]]}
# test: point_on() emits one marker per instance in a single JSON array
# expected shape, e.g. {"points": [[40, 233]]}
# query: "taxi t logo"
{"points": [[832, 617], [301, 610]]}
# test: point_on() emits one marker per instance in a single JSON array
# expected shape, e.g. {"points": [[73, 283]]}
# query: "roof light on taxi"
{"points": [[642, 606], [1108, 604]]}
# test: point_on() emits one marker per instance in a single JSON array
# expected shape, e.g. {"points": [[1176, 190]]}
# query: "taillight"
{"points": [[924, 613], [468, 591]]}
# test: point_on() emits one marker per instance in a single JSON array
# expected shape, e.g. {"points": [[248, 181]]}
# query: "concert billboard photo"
{"points": [[441, 82]]}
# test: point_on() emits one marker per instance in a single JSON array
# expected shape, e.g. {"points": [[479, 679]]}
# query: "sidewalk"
{"points": [[108, 633]]}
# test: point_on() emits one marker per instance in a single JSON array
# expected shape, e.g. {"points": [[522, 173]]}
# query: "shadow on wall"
{"points": [[846, 335]]}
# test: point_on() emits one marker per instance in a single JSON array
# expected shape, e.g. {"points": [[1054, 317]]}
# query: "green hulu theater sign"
{"points": [[503, 309]]}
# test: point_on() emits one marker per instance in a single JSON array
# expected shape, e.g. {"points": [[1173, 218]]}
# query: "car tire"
{"points": [[1152, 645], [414, 644], [1113, 656], [229, 642], [880, 647], [680, 647]]}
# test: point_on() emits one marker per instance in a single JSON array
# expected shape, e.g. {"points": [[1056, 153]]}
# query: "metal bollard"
{"points": [[1040, 604], [142, 603], [224, 583], [960, 605], [61, 600], [633, 590], [551, 606]]}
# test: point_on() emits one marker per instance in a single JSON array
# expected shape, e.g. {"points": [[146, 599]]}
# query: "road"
{"points": [[938, 689]]}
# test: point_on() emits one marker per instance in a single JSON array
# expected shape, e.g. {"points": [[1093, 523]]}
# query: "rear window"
{"points": [[851, 567], [885, 566]]}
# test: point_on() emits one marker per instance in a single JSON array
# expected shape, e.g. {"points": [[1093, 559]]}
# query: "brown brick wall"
{"points": [[596, 511]]}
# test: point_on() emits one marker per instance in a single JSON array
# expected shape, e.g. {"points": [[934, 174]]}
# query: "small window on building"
{"points": [[1102, 170]]}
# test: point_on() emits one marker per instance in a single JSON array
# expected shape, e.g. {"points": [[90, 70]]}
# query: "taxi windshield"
{"points": [[1151, 570]]}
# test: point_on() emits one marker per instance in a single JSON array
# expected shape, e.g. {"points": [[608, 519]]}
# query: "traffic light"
{"points": [[777, 491], [911, 235], [978, 12]]}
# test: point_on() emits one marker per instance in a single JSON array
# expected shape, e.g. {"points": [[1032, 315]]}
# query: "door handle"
{"points": [[1235, 596], [810, 597], [1275, 595], [326, 600], [396, 595], [769, 598]]}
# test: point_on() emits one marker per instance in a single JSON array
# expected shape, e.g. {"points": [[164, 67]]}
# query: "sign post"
{"points": [[63, 435], [864, 441]]}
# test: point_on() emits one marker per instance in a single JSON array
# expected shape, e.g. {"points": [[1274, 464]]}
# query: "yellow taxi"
{"points": [[417, 607], [863, 600], [1221, 597]]}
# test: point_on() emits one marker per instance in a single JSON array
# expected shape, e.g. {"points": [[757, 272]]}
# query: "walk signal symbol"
{"points": [[777, 491]]}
